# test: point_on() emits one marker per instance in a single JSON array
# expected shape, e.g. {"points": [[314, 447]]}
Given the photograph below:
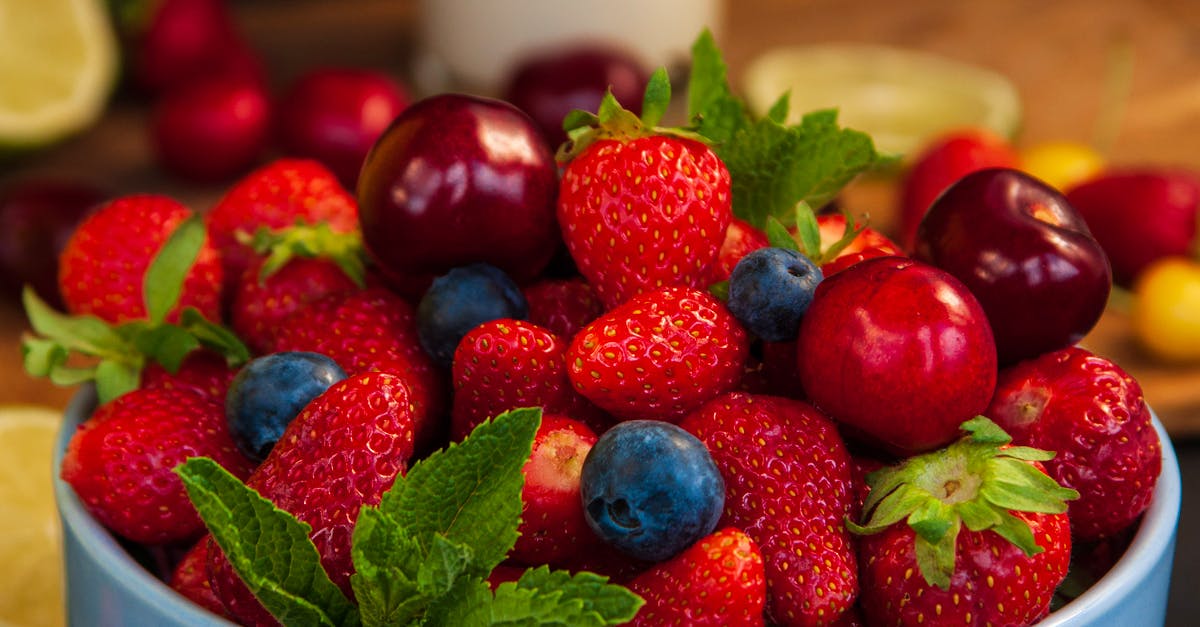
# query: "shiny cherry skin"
{"points": [[897, 351], [1025, 253], [551, 83], [458, 179]]}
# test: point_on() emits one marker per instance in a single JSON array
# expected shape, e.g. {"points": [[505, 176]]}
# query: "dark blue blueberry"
{"points": [[269, 391], [461, 300], [769, 291], [651, 489]]}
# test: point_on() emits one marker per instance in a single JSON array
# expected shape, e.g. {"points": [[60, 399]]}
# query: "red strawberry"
{"points": [[788, 486], [121, 461], [562, 305], [343, 451], [102, 267], [261, 304], [946, 541], [660, 355], [190, 578], [553, 527], [371, 329], [640, 210], [505, 364], [717, 581], [740, 238], [278, 195], [203, 371], [867, 244], [1092, 413]]}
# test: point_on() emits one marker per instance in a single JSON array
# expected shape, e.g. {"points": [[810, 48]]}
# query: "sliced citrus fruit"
{"points": [[900, 97], [58, 63], [30, 535]]}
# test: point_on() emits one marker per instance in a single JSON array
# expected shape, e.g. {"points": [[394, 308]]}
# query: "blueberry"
{"points": [[269, 391], [769, 291], [651, 489], [461, 300]]}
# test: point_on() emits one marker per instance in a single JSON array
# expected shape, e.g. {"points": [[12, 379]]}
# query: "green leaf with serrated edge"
{"points": [[984, 431], [931, 520], [468, 604], [1017, 532], [87, 334], [445, 562], [936, 561], [113, 378], [470, 492], [166, 344], [268, 548], [610, 603], [779, 237], [712, 108], [214, 336], [779, 110], [808, 232], [656, 99], [163, 282], [385, 562]]}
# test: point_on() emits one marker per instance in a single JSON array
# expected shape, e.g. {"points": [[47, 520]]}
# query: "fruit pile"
{"points": [[641, 379]]}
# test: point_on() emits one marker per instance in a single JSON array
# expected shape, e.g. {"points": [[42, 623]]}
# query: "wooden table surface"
{"points": [[1056, 53]]}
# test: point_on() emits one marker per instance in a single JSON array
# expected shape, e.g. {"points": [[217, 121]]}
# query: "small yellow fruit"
{"points": [[1166, 309], [1062, 164]]}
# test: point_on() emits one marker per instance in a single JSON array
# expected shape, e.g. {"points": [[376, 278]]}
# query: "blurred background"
{"points": [[1117, 82]]}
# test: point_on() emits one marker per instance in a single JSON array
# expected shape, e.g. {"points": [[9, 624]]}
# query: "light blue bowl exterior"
{"points": [[106, 587]]}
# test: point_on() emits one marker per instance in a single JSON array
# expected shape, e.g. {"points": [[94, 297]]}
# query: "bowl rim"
{"points": [[1154, 536]]}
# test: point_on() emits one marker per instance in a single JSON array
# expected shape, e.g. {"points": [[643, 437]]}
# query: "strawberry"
{"points": [[1092, 413], [277, 195], [505, 364], [553, 528], [867, 243], [788, 486], [562, 305], [717, 581], [203, 371], [341, 453], [640, 208], [121, 461], [660, 355], [740, 238], [296, 265], [974, 533], [371, 329], [103, 265], [190, 578]]}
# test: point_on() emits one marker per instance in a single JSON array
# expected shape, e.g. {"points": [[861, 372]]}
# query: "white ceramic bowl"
{"points": [[106, 586]]}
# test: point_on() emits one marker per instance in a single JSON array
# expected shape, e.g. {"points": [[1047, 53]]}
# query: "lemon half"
{"points": [[901, 97], [31, 579], [58, 65]]}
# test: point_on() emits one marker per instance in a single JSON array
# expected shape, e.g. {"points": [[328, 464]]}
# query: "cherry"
{"points": [[335, 115], [213, 128], [37, 217], [181, 41], [1025, 253], [550, 84], [458, 179]]}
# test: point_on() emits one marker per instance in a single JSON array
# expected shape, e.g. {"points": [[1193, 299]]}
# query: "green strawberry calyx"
{"points": [[72, 349], [421, 556], [308, 241], [976, 482]]}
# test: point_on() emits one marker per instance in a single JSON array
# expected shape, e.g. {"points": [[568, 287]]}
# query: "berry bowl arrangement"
{"points": [[655, 377]]}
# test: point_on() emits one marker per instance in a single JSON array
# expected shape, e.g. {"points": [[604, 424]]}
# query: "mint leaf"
{"points": [[715, 112], [468, 604], [386, 564], [163, 282], [592, 598], [470, 492], [268, 547]]}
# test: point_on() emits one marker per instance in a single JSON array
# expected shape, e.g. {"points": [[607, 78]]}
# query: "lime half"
{"points": [[901, 97], [58, 64]]}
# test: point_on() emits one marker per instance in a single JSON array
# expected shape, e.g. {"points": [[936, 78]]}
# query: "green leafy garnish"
{"points": [[422, 556], [773, 166]]}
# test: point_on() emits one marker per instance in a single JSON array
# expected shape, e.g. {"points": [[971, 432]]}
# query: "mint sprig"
{"points": [[423, 554], [70, 350], [773, 166]]}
